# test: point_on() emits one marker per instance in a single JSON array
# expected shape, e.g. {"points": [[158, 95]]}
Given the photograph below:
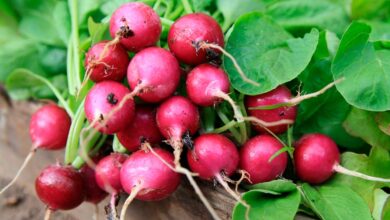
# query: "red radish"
{"points": [[142, 128], [212, 155], [156, 71], [190, 30], [317, 159], [175, 117], [215, 157], [279, 95], [60, 187], [204, 84], [100, 103], [49, 128], [136, 25], [107, 173], [146, 177], [93, 193], [109, 66], [255, 158]]}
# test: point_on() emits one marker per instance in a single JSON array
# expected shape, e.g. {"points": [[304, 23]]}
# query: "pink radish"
{"points": [[100, 103], [192, 29], [49, 128], [136, 25], [279, 95], [175, 117], [156, 71], [107, 174], [215, 157], [93, 193], [142, 128], [207, 85], [109, 66], [146, 177], [256, 158], [317, 158], [60, 187]]}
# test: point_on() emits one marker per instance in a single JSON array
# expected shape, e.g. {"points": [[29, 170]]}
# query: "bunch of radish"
{"points": [[137, 100]]}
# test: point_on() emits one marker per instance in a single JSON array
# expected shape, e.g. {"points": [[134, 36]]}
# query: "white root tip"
{"points": [[340, 169]]}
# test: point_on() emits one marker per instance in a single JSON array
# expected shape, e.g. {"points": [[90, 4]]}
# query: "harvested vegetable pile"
{"points": [[285, 104]]}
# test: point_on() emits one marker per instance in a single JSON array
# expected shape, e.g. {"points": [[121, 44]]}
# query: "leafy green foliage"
{"points": [[278, 199], [360, 63], [268, 55], [335, 202]]}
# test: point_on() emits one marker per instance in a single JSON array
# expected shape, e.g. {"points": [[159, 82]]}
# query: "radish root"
{"points": [[47, 214], [113, 206], [244, 176], [136, 189], [340, 169], [95, 212], [236, 110], [221, 180], [25, 163], [298, 99], [205, 45]]}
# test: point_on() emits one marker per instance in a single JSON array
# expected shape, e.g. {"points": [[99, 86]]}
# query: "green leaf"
{"points": [[97, 31], [201, 5], [336, 202], [366, 70], [23, 80], [232, 9], [381, 198], [302, 15], [383, 121], [377, 164], [325, 113], [55, 19], [380, 31], [370, 132], [268, 206], [368, 8], [266, 53], [276, 186]]}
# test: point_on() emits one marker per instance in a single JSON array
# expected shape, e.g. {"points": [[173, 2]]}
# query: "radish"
{"points": [[60, 187], [135, 25], [156, 71], [49, 128], [145, 177], [192, 29], [215, 157], [109, 66], [317, 158], [279, 95], [109, 107], [142, 128], [256, 158], [107, 173], [176, 117], [207, 85], [93, 193]]}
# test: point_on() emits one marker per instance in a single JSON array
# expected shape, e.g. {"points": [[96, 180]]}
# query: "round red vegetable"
{"points": [[189, 30], [107, 172], [255, 158], [60, 187], [137, 25], [279, 95]]}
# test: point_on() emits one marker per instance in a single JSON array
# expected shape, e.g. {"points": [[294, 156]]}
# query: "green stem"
{"points": [[216, 14], [187, 6], [176, 13], [242, 125], [166, 22], [226, 127], [168, 9], [92, 147], [225, 120], [117, 146], [75, 45], [72, 143], [156, 5]]}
